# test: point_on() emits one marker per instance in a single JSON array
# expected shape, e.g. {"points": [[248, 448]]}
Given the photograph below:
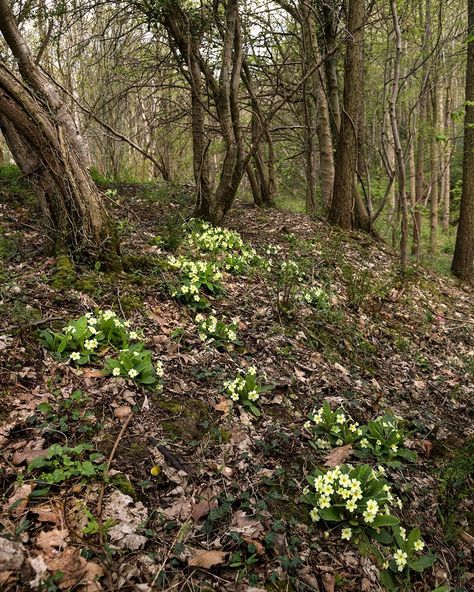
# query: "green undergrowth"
{"points": [[455, 485]]}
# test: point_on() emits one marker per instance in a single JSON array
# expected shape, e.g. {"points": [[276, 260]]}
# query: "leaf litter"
{"points": [[236, 493]]}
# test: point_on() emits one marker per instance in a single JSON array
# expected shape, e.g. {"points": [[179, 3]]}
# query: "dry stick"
{"points": [[107, 468]]}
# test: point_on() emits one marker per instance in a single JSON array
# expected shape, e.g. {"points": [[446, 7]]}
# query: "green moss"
{"points": [[190, 417], [88, 283], [64, 274], [122, 482], [131, 303]]}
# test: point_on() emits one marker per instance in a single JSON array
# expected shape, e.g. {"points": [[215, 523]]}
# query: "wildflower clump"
{"points": [[246, 389], [332, 428], [403, 554], [135, 363], [231, 253], [83, 339], [315, 297], [385, 439], [215, 331], [358, 496], [213, 239], [86, 340], [196, 280]]}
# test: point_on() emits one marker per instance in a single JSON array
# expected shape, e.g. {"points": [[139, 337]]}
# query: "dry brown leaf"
{"points": [[19, 500], [52, 539], [259, 548], [76, 571], [92, 373], [329, 582], [427, 446], [46, 514], [207, 502], [33, 449], [223, 406], [246, 525], [207, 559], [337, 456], [122, 412]]}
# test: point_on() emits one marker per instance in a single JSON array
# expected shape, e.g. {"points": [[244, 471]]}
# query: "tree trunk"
{"points": [[317, 94], [402, 196], [434, 163], [330, 20], [342, 206], [463, 261], [422, 117], [44, 141]]}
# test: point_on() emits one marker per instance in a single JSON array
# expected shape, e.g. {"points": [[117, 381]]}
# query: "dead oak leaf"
{"points": [[337, 456], [207, 502], [207, 559]]}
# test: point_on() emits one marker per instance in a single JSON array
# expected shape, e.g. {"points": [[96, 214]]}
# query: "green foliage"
{"points": [[246, 389], [86, 339], [196, 280], [332, 428], [62, 463], [135, 363], [359, 497], [315, 297], [215, 331], [83, 339], [67, 415], [384, 439], [94, 527]]}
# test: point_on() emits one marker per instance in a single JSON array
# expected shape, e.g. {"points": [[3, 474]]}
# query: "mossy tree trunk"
{"points": [[46, 145]]}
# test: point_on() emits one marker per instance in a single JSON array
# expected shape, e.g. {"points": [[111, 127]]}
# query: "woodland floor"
{"points": [[224, 481]]}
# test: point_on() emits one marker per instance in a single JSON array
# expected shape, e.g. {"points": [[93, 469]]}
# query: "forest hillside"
{"points": [[266, 405]]}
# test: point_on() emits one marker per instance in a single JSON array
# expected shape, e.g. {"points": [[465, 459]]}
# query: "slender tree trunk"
{"points": [[421, 130], [318, 95], [396, 139], [341, 212], [330, 19], [463, 261], [434, 162]]}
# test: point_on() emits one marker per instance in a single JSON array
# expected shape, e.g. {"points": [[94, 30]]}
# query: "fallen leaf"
{"points": [[76, 571], [52, 539], [329, 582], [11, 555], [338, 455], [207, 559], [92, 373], [129, 518], [122, 412], [18, 502], [33, 449], [427, 446], [207, 503], [223, 406]]}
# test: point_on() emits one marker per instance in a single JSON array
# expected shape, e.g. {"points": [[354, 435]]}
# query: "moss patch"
{"points": [[190, 418]]}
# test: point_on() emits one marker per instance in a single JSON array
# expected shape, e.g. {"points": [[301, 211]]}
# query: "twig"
{"points": [[35, 323], [107, 468]]}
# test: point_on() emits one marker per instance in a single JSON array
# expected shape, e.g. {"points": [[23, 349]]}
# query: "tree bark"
{"points": [[46, 145], [463, 260], [342, 206]]}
